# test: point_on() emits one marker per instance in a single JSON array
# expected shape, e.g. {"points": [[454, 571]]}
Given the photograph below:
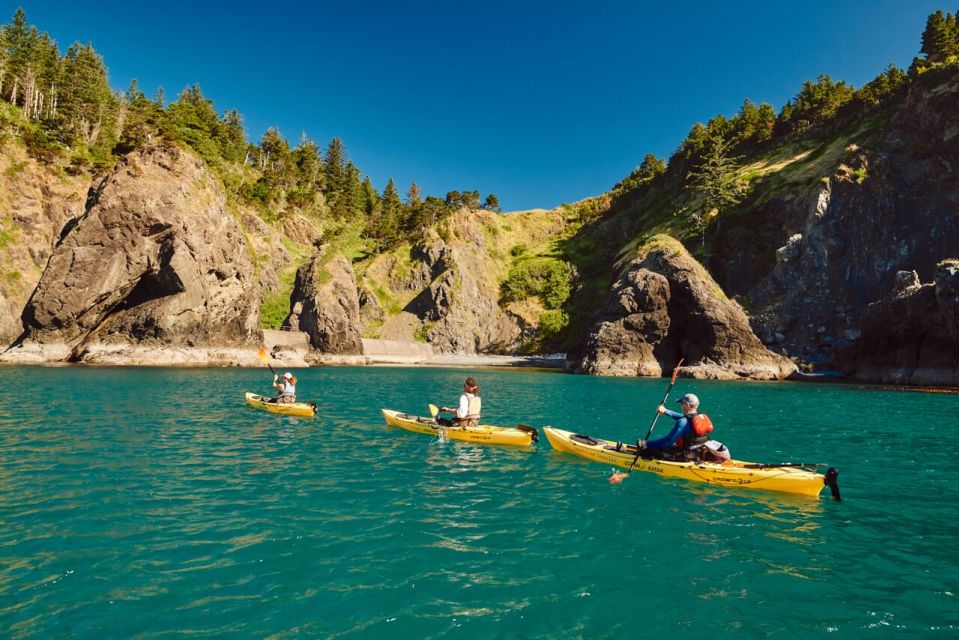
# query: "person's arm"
{"points": [[276, 384], [670, 438]]}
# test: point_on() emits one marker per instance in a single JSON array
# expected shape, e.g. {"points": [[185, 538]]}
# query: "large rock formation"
{"points": [[891, 205], [156, 262], [325, 304], [448, 290], [912, 337], [35, 203], [665, 307], [462, 300]]}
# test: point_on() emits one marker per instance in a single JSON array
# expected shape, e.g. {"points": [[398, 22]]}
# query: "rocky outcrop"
{"points": [[325, 305], [35, 204], [156, 262], [890, 206], [461, 302], [663, 307], [447, 289], [913, 336]]}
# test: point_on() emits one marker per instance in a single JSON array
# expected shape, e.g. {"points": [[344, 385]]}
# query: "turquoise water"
{"points": [[155, 504]]}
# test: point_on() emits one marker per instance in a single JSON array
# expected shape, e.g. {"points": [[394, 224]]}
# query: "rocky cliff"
{"points": [[664, 307], [445, 289], [155, 262], [35, 203], [911, 337], [325, 305], [810, 259]]}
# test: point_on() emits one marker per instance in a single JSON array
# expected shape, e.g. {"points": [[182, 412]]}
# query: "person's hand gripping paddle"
{"points": [[619, 476]]}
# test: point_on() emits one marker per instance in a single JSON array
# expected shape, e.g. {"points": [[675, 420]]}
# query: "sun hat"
{"points": [[288, 375]]}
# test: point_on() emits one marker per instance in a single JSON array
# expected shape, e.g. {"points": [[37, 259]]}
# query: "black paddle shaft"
{"points": [[656, 417]]}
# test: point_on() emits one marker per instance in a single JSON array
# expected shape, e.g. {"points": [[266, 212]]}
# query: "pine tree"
{"points": [[370, 197], [715, 180], [87, 97], [353, 194], [491, 203], [471, 199], [133, 93], [334, 173], [18, 41], [275, 163], [641, 175], [391, 209], [934, 36], [948, 39], [767, 118], [413, 198], [232, 137], [309, 166]]}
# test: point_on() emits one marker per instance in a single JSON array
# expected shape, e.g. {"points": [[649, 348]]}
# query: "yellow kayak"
{"points": [[521, 436], [732, 473], [302, 409]]}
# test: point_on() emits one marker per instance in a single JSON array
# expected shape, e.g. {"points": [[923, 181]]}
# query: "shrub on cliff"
{"points": [[547, 278]]}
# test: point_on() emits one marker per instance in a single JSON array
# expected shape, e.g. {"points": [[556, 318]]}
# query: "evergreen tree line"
{"points": [[72, 112], [707, 159]]}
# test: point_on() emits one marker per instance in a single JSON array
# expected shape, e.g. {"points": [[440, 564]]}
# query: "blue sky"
{"points": [[538, 102]]}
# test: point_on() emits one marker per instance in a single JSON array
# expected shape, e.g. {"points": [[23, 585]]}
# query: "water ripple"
{"points": [[132, 507]]}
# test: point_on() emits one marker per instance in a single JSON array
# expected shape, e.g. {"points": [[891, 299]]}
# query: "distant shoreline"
{"points": [[247, 359]]}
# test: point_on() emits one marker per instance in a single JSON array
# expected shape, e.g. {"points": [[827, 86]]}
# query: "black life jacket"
{"points": [[697, 431]]}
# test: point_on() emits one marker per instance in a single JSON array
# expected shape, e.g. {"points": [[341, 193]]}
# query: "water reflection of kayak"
{"points": [[521, 436], [732, 473]]}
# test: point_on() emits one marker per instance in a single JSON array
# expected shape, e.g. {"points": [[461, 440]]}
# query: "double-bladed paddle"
{"points": [[619, 476]]}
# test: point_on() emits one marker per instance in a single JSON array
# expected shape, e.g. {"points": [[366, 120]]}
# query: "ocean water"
{"points": [[153, 503]]}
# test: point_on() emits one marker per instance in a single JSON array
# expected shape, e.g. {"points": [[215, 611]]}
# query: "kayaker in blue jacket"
{"points": [[690, 429]]}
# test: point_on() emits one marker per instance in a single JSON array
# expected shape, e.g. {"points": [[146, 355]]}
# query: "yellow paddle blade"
{"points": [[262, 354], [618, 477], [434, 410]]}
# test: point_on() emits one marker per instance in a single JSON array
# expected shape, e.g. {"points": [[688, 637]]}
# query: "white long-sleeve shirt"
{"points": [[463, 409]]}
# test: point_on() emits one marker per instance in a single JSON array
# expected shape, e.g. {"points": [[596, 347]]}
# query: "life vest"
{"points": [[698, 428], [288, 393], [473, 408]]}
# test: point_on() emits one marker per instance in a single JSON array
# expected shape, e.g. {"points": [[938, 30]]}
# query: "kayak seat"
{"points": [[577, 437]]}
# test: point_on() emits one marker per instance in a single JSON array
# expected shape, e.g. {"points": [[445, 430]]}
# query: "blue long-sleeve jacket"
{"points": [[679, 429]]}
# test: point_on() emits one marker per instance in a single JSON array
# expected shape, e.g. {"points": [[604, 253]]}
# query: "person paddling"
{"points": [[689, 433], [467, 414], [286, 387]]}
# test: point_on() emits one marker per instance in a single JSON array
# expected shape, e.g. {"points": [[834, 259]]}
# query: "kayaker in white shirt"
{"points": [[468, 412], [287, 388]]}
